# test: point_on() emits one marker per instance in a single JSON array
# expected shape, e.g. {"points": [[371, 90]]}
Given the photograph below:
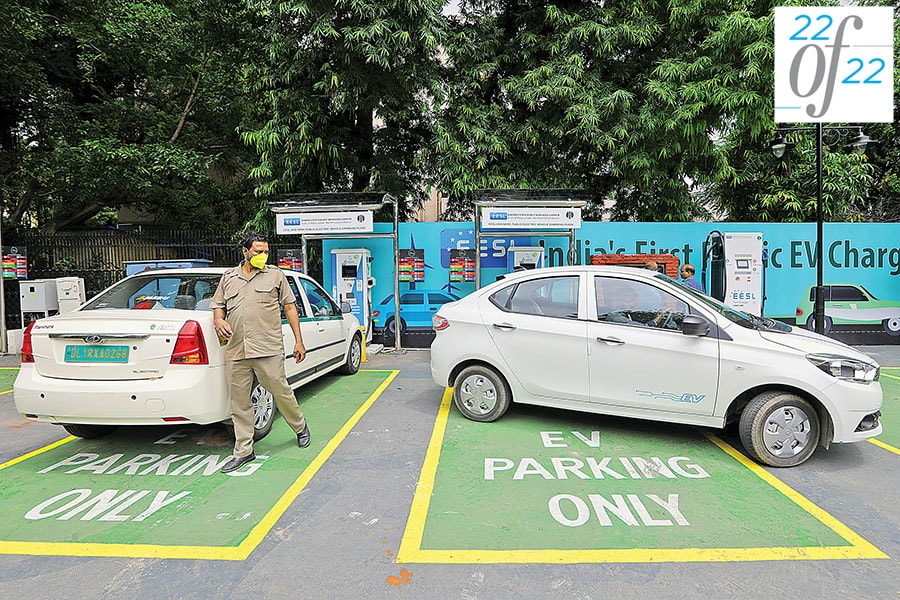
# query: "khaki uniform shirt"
{"points": [[252, 309]]}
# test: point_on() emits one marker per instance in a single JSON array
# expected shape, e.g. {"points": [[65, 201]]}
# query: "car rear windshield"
{"points": [[191, 291]]}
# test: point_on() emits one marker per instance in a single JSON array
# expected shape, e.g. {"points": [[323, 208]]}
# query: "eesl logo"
{"points": [[498, 216], [290, 221]]}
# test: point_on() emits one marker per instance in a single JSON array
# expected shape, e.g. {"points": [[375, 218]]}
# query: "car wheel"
{"points": [[892, 326], [89, 432], [354, 356], [481, 394], [391, 326], [263, 410], [827, 324], [779, 429]]}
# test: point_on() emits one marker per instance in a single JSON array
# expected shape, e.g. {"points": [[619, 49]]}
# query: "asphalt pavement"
{"points": [[340, 537]]}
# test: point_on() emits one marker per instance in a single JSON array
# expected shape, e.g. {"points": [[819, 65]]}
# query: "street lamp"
{"points": [[781, 147]]}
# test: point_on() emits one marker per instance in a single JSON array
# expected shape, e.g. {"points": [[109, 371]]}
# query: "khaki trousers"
{"points": [[269, 372]]}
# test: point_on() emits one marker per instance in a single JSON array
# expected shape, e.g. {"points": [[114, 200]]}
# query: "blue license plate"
{"points": [[106, 354]]}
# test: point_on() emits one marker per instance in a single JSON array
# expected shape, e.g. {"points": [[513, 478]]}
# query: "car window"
{"points": [[320, 303], [161, 290], [439, 299], [846, 293], [812, 294], [412, 298], [637, 304], [547, 296], [301, 309]]}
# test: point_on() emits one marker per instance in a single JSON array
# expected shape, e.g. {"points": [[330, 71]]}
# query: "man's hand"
{"points": [[299, 352], [223, 329]]}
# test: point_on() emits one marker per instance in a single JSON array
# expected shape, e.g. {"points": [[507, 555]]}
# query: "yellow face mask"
{"points": [[259, 261]]}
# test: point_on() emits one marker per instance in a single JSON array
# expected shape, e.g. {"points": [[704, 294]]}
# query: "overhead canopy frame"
{"points": [[511, 198], [341, 202]]}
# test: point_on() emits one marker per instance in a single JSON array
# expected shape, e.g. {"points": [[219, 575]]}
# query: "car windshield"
{"points": [[160, 290], [735, 316]]}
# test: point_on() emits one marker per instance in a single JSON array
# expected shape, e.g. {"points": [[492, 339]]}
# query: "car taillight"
{"points": [[190, 347], [439, 322], [799, 313], [27, 350], [376, 313]]}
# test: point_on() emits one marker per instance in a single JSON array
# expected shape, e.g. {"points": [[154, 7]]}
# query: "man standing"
{"points": [[246, 314], [687, 277]]}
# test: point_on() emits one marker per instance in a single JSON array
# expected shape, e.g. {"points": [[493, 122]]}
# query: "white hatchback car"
{"points": [[145, 352], [634, 343]]}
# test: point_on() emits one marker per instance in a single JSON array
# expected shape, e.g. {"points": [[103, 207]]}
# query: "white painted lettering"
{"points": [[210, 465], [671, 506], [98, 466], [598, 469], [691, 470], [101, 503], [131, 466], [553, 439], [655, 466], [76, 459], [563, 466], [162, 466], [594, 442], [159, 502], [644, 514], [618, 507], [530, 466], [172, 438], [38, 512], [630, 468], [581, 508], [492, 465], [114, 515]]}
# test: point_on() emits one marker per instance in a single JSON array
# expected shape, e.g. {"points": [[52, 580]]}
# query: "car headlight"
{"points": [[848, 369]]}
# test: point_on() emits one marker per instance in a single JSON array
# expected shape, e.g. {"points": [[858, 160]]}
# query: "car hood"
{"points": [[809, 342]]}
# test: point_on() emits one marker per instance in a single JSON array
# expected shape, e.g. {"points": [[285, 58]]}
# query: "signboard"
{"points": [[358, 221], [291, 259], [834, 64], [462, 265], [531, 218], [411, 267], [15, 262]]}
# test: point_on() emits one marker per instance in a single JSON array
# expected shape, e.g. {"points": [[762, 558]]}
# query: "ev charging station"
{"points": [[527, 213], [736, 270], [353, 283], [342, 216], [524, 257]]}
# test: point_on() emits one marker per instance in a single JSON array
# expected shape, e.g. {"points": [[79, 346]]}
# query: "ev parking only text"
{"points": [[570, 510]]}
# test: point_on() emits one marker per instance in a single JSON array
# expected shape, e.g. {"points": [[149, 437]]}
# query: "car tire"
{"points": [[827, 324], [354, 356], [391, 326], [779, 429], [481, 394], [89, 432], [892, 326]]}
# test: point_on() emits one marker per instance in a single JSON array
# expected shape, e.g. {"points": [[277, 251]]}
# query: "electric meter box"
{"points": [[524, 257], [38, 296], [69, 293]]}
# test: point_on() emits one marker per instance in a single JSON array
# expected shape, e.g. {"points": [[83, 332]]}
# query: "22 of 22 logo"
{"points": [[834, 64]]}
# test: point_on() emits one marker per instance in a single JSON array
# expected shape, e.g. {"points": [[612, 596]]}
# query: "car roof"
{"points": [[203, 271], [599, 269]]}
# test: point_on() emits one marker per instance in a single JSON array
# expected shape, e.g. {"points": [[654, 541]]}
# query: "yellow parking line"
{"points": [[240, 552], [411, 545], [887, 447]]}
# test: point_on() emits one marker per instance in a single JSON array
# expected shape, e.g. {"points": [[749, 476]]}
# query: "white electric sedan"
{"points": [[145, 352], [634, 343]]}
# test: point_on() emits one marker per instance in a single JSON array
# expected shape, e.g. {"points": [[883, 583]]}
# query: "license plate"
{"points": [[107, 354]]}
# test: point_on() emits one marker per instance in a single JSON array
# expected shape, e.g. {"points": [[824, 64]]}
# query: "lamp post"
{"points": [[780, 147]]}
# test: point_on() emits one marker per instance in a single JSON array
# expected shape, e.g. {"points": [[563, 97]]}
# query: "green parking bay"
{"points": [[556, 487], [158, 492]]}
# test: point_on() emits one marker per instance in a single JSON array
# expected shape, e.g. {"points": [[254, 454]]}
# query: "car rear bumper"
{"points": [[185, 394]]}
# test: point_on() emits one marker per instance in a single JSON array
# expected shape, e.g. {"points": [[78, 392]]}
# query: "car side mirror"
{"points": [[694, 325], [346, 308]]}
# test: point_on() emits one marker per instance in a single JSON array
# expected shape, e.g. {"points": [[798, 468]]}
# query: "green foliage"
{"points": [[348, 92]]}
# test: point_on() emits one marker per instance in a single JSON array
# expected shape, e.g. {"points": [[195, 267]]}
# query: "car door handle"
{"points": [[612, 341], [503, 326]]}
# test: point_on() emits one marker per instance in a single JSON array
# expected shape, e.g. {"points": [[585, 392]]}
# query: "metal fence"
{"points": [[99, 255]]}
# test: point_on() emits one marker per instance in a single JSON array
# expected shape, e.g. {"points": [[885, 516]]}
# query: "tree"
{"points": [[124, 104], [349, 88]]}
